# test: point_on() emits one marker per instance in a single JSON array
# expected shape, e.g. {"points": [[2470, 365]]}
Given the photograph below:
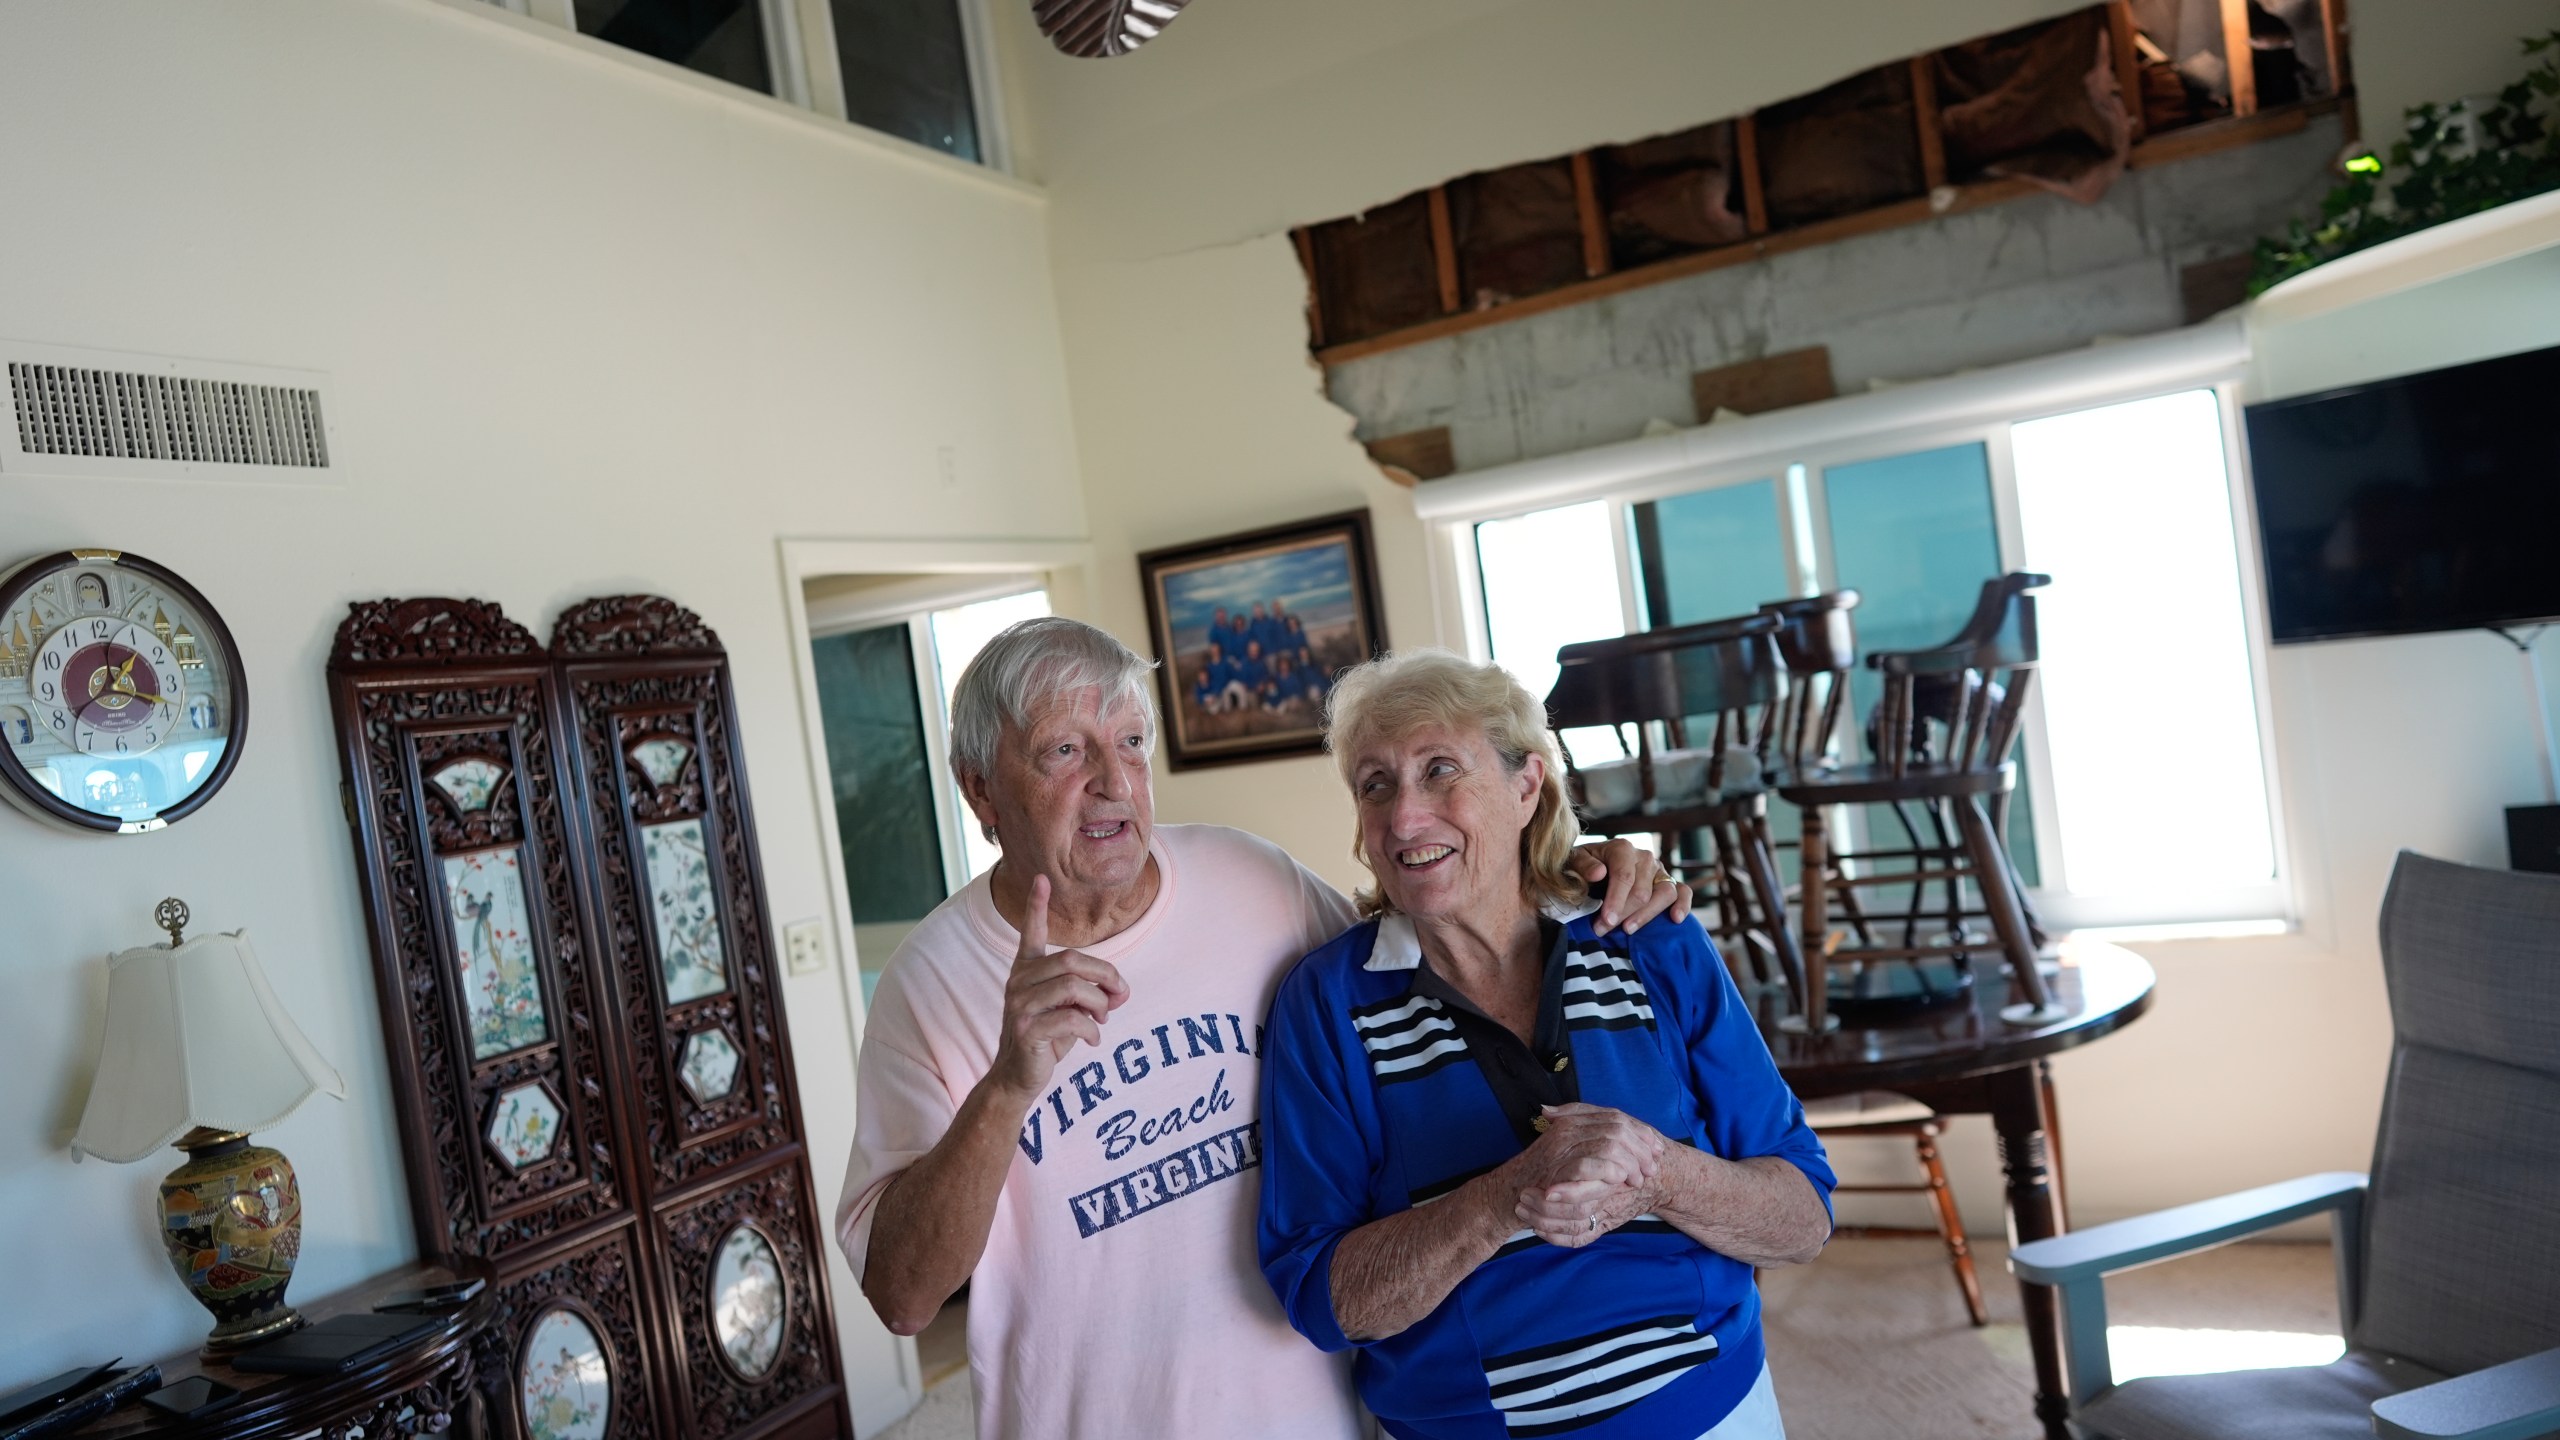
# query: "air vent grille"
{"points": [[126, 415]]}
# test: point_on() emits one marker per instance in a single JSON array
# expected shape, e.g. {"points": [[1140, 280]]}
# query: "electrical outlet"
{"points": [[804, 946]]}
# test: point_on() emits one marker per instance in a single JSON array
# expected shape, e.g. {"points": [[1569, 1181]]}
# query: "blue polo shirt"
{"points": [[1378, 1096]]}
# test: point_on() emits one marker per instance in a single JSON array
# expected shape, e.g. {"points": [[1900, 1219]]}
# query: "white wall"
{"points": [[592, 327], [1174, 174]]}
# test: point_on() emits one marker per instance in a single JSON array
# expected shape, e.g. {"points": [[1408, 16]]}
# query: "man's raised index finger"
{"points": [[1035, 920]]}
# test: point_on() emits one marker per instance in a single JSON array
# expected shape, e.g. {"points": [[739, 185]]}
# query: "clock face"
{"points": [[122, 704]]}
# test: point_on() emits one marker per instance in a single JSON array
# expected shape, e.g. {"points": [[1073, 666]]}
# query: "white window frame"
{"points": [[812, 25], [800, 51], [1976, 408]]}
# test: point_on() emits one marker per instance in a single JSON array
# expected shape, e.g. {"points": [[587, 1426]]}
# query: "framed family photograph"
{"points": [[1250, 630]]}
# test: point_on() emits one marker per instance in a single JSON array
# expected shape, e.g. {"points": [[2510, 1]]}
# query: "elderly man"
{"points": [[1099, 1205]]}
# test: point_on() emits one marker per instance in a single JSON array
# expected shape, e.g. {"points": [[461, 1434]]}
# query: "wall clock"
{"points": [[122, 703]]}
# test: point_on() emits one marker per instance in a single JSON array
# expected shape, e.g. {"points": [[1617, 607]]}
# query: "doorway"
{"points": [[886, 653]]}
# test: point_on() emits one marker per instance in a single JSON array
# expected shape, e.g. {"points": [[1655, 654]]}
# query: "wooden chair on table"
{"points": [[1941, 738], [1707, 803], [1819, 644]]}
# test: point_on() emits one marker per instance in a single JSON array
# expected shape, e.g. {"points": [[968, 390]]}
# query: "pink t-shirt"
{"points": [[1119, 1296]]}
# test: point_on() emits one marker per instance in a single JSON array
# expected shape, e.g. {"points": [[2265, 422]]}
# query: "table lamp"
{"points": [[198, 1053]]}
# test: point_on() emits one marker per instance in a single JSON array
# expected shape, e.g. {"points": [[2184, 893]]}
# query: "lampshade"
{"points": [[194, 1037]]}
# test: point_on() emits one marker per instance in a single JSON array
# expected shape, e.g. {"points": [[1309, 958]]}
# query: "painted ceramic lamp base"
{"points": [[232, 1220]]}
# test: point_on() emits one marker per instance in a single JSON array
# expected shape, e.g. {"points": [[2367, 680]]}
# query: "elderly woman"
{"points": [[1527, 1168]]}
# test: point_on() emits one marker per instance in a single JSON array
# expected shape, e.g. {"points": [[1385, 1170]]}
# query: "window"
{"points": [[906, 71], [1550, 579], [724, 39], [909, 68], [904, 832], [2149, 666], [2147, 686]]}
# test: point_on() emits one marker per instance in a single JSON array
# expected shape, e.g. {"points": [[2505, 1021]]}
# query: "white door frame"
{"points": [[805, 560]]}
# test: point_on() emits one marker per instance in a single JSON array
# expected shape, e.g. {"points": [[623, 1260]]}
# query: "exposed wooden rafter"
{"points": [[1924, 113], [2237, 57], [2175, 145], [1444, 251], [1746, 149], [1595, 227]]}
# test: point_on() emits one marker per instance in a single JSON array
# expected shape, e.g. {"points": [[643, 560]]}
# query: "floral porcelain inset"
{"points": [[566, 1387], [470, 783], [690, 957], [661, 759], [709, 1066], [493, 941], [525, 1126], [747, 1301]]}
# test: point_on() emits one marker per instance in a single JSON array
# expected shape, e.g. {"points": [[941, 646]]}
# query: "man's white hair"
{"points": [[1031, 662]]}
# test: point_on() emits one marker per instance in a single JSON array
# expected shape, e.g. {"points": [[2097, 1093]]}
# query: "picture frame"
{"points": [[1307, 590]]}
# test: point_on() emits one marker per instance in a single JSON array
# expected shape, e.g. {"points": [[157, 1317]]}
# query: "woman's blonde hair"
{"points": [[1395, 695]]}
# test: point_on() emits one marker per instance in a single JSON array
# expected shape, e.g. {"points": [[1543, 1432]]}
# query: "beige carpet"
{"points": [[1870, 1342]]}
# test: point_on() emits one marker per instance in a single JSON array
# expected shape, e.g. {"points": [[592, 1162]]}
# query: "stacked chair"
{"points": [[1725, 713], [1940, 741], [1706, 803]]}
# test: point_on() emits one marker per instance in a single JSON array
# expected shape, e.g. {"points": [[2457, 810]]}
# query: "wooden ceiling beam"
{"points": [[1595, 226], [1444, 250]]}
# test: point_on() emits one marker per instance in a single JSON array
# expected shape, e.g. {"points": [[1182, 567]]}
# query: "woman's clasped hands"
{"points": [[1591, 1171]]}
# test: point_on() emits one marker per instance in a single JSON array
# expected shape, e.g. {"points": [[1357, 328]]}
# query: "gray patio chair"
{"points": [[2448, 1256]]}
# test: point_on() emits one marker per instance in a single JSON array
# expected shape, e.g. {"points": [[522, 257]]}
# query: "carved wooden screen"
{"points": [[721, 1170], [529, 1058], [494, 1007]]}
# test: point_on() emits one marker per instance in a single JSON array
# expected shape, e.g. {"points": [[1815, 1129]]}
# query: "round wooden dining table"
{"points": [[1965, 1060]]}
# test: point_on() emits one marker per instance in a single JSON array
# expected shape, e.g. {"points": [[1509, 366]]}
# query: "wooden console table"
{"points": [[1965, 1060], [423, 1388]]}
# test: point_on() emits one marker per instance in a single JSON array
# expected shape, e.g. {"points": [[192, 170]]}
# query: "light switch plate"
{"points": [[804, 946]]}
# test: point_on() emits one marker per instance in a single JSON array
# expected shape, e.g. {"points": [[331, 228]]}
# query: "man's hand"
{"points": [[1050, 1002], [1612, 1163], [1631, 904]]}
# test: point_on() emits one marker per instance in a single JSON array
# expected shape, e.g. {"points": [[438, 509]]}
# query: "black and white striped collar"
{"points": [[1399, 948]]}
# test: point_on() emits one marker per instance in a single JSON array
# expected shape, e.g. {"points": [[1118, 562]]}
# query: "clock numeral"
{"points": [[45, 691], [52, 659], [120, 745], [101, 629]]}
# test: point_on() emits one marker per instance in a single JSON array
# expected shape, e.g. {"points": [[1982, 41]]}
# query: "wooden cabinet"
{"points": [[583, 1016]]}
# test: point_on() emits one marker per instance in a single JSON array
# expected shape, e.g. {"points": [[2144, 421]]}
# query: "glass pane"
{"points": [[1550, 580], [885, 825], [2146, 668], [685, 909], [906, 71], [720, 38], [1915, 536], [1711, 553], [958, 635]]}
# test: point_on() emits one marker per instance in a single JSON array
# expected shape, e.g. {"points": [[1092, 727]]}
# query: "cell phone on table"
{"points": [[431, 1298], [193, 1396]]}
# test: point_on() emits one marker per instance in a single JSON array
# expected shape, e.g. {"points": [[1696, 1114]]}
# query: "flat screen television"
{"points": [[2423, 502]]}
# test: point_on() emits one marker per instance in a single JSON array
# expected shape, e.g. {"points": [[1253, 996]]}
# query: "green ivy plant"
{"points": [[2435, 174]]}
